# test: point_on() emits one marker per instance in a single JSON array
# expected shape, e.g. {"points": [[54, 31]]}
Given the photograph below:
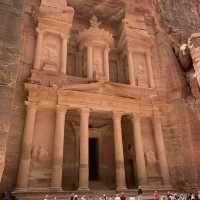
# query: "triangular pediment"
{"points": [[114, 89]]}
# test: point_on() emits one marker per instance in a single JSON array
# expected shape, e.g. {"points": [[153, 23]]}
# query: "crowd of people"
{"points": [[139, 196], [122, 196]]}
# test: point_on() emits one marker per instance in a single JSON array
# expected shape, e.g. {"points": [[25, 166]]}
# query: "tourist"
{"points": [[140, 192], [105, 197], [117, 197], [110, 198], [83, 197], [72, 196], [46, 197], [123, 197], [155, 195], [75, 197], [131, 198]]}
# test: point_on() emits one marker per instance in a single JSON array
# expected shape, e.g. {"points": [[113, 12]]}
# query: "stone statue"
{"points": [[94, 22], [50, 58], [98, 69], [39, 156], [151, 162], [141, 76], [151, 157]]}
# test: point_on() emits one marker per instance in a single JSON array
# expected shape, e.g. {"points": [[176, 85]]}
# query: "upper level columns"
{"points": [[56, 179], [139, 149], [119, 153], [38, 50], [90, 62], [150, 70], [24, 165], [64, 54], [160, 146], [106, 63], [84, 149], [131, 69]]}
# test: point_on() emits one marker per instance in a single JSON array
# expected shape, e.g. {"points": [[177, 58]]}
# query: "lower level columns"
{"points": [[56, 179], [24, 165], [159, 140], [139, 150], [84, 150], [119, 153]]}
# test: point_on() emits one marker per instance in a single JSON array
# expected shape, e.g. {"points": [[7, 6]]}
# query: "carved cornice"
{"points": [[54, 15]]}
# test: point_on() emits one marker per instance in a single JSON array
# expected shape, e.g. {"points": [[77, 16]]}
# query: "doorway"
{"points": [[93, 159]]}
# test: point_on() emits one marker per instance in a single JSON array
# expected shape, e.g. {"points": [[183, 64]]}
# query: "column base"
{"points": [[18, 189], [83, 189], [56, 189], [121, 189]]}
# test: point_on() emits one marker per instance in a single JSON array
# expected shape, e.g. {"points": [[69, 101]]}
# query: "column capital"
{"points": [[117, 114], [61, 109], [39, 31], [129, 50], [33, 105], [85, 110], [107, 48], [64, 36], [135, 116]]}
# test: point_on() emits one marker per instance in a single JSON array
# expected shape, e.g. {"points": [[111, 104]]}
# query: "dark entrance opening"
{"points": [[93, 159]]}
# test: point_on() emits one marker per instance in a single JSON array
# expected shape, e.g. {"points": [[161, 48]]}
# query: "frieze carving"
{"points": [[39, 155]]}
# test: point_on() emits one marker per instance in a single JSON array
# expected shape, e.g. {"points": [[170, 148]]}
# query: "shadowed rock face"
{"points": [[174, 20], [10, 22]]}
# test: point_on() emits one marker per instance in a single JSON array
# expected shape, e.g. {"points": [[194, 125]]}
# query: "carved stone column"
{"points": [[24, 165], [150, 70], [119, 153], [106, 63], [160, 146], [64, 55], [90, 63], [139, 149], [84, 150], [38, 50], [56, 179], [131, 69]]}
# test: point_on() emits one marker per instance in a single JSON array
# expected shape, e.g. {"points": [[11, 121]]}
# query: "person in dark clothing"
{"points": [[123, 197], [140, 191]]}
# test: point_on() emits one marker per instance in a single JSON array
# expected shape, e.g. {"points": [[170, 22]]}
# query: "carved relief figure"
{"points": [[98, 69], [142, 77], [39, 156], [98, 64], [151, 162], [51, 58]]}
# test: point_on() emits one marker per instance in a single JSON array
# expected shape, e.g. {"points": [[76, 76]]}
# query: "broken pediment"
{"points": [[114, 89]]}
